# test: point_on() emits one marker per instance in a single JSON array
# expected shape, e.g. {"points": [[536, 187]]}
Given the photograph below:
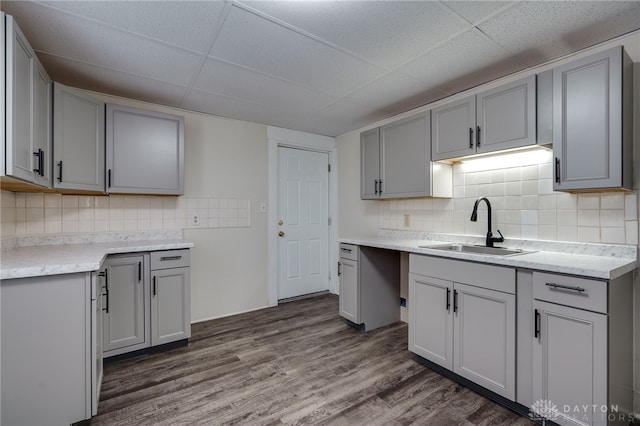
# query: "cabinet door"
{"points": [[369, 164], [78, 140], [485, 338], [587, 122], [506, 116], [124, 318], [431, 319], [145, 151], [405, 163], [41, 126], [570, 363], [19, 104], [170, 306], [349, 291], [453, 129]]}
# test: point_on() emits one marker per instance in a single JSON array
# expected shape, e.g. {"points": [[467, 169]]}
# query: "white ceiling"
{"points": [[324, 67]]}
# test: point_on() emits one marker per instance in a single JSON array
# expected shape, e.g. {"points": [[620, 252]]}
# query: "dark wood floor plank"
{"points": [[295, 364]]}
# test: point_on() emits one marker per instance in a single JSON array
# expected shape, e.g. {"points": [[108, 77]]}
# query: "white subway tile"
{"points": [[588, 234], [529, 217], [53, 201], [545, 186], [615, 235], [35, 200], [86, 202], [567, 218], [529, 231], [588, 201], [116, 201], [130, 225], [530, 187], [613, 218], [70, 226], [70, 201], [86, 226], [589, 218], [21, 200], [86, 214], [529, 202], [547, 202], [101, 226], [612, 201], [498, 176], [70, 214], [513, 188], [529, 173], [53, 227], [547, 232], [631, 232], [567, 201], [34, 228], [513, 174], [513, 202], [101, 202], [471, 178], [547, 217], [631, 207]]}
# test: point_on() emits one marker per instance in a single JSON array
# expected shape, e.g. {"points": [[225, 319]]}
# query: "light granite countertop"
{"points": [[48, 256], [598, 261]]}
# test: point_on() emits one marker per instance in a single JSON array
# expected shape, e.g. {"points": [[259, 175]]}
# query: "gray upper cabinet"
{"points": [[453, 129], [506, 116], [145, 151], [41, 126], [396, 163], [28, 108], [593, 123], [370, 164], [494, 120], [405, 158], [78, 140]]}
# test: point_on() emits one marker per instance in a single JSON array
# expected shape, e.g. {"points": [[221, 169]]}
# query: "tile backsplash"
{"points": [[42, 214], [524, 205]]}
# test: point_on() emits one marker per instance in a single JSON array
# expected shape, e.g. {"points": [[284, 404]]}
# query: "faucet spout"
{"points": [[474, 218]]}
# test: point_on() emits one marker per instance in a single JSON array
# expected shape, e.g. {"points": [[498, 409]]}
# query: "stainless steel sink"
{"points": [[491, 251]]}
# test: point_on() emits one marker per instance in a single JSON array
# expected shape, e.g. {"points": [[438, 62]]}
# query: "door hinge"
{"points": [[329, 167], [329, 221]]}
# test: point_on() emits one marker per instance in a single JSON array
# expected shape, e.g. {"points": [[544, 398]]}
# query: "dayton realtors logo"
{"points": [[544, 409]]}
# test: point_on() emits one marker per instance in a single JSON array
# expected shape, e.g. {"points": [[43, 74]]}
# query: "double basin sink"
{"points": [[472, 249]]}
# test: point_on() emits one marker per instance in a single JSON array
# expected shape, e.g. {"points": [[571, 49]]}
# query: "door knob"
{"points": [[280, 223], [281, 234]]}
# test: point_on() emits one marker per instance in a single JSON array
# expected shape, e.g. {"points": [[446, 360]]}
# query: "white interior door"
{"points": [[303, 222]]}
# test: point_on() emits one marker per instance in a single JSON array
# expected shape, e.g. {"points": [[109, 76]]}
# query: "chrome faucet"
{"points": [[474, 218]]}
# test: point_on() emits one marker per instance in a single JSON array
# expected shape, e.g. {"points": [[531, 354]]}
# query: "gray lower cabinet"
{"points": [[593, 122], [78, 140], [396, 162], [170, 296], [462, 317], [28, 109], [493, 120], [126, 308], [348, 273], [582, 351], [369, 286], [145, 151], [48, 360], [148, 300]]}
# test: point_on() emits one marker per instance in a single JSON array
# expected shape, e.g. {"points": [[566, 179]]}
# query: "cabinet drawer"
{"points": [[570, 291], [480, 275], [349, 251], [169, 259]]}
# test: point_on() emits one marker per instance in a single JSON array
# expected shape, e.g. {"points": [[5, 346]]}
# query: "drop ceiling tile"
{"points": [[230, 80], [64, 35], [89, 77], [229, 107], [540, 31], [388, 34], [257, 43], [395, 93], [463, 62], [474, 11], [187, 24]]}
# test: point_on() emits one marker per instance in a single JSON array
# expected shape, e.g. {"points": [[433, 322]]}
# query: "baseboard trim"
{"points": [[147, 351]]}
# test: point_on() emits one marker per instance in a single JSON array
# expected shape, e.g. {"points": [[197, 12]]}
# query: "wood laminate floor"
{"points": [[298, 363]]}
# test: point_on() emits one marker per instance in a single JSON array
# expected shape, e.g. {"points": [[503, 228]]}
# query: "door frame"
{"points": [[279, 137]]}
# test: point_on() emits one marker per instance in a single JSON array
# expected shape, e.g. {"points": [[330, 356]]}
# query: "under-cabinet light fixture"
{"points": [[533, 156]]}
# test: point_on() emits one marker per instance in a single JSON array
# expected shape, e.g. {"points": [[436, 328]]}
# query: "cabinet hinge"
{"points": [[329, 167]]}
